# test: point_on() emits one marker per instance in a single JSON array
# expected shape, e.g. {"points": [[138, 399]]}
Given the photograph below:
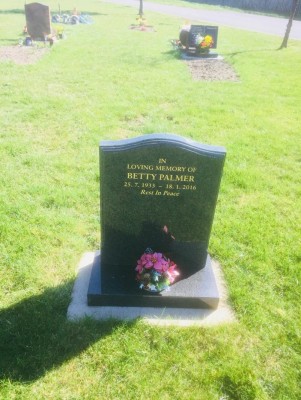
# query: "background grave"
{"points": [[37, 21]]}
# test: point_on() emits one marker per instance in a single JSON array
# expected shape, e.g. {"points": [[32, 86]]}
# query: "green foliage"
{"points": [[105, 81]]}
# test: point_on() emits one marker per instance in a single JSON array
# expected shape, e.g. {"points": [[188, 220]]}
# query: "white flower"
{"points": [[199, 39]]}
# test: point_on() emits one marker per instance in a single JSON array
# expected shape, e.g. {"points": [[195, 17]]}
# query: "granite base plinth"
{"points": [[200, 56], [196, 291]]}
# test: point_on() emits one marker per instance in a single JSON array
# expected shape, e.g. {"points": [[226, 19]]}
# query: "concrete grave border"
{"points": [[79, 309]]}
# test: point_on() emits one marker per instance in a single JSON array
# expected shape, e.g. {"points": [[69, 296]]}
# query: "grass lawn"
{"points": [[105, 81]]}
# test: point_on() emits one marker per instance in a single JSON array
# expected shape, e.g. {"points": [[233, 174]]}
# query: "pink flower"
{"points": [[159, 262], [141, 263], [172, 272], [145, 261], [156, 262]]}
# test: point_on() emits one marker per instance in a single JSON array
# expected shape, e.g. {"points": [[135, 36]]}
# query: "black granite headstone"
{"points": [[37, 20], [202, 30], [157, 191]]}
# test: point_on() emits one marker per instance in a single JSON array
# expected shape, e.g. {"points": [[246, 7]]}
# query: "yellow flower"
{"points": [[208, 39]]}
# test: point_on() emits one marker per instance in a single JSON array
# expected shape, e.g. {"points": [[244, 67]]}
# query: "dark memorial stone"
{"points": [[158, 191], [37, 20], [202, 30]]}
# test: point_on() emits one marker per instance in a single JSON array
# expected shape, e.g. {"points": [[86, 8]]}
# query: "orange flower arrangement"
{"points": [[203, 44]]}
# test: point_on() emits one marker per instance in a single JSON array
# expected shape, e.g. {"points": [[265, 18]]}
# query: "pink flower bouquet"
{"points": [[155, 272]]}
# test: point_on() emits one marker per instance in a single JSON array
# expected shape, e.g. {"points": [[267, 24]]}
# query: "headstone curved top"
{"points": [[161, 138]]}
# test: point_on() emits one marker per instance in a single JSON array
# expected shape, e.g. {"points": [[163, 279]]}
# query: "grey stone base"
{"points": [[79, 308], [196, 291], [210, 56]]}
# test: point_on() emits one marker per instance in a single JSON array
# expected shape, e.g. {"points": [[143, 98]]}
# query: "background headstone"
{"points": [[37, 20], [157, 191], [202, 30]]}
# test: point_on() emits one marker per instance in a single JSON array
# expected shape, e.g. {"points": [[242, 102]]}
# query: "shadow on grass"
{"points": [[13, 11], [22, 11], [178, 55], [7, 41], [172, 54], [35, 335], [235, 53]]}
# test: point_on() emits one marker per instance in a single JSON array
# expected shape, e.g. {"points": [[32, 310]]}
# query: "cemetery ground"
{"points": [[105, 81]]}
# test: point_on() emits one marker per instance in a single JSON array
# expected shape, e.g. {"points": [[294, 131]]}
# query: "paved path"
{"points": [[251, 22]]}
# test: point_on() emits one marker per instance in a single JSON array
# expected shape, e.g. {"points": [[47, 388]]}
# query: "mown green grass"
{"points": [[105, 81]]}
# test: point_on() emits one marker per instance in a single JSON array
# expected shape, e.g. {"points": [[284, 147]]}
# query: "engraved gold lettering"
{"points": [[172, 179], [191, 169], [185, 178], [142, 167], [176, 178], [171, 169], [141, 176], [147, 192], [168, 193]]}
